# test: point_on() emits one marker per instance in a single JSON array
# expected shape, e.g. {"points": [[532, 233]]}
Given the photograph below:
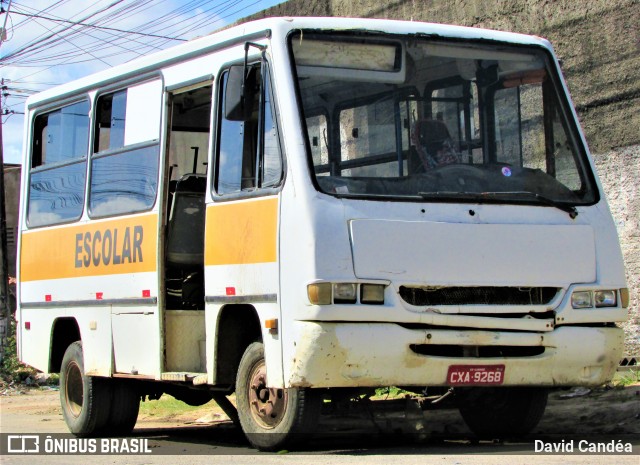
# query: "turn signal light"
{"points": [[345, 293], [319, 293]]}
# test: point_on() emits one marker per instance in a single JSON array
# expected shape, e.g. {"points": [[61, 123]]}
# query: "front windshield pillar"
{"points": [[549, 117]]}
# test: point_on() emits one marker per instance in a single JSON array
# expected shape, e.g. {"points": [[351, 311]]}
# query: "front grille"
{"points": [[447, 350], [478, 295]]}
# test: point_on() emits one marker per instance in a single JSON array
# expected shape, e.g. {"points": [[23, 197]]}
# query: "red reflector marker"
{"points": [[231, 291], [98, 295], [27, 325], [47, 298], [146, 293]]}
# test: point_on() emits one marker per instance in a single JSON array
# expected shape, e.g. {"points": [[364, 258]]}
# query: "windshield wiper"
{"points": [[570, 209], [450, 194]]}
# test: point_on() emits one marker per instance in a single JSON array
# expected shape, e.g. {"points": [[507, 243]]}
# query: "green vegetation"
{"points": [[626, 378], [168, 406], [11, 370], [392, 392]]}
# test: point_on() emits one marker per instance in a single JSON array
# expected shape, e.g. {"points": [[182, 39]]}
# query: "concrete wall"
{"points": [[598, 42], [619, 171]]}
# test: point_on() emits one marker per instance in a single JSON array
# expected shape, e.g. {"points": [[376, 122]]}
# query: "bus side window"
{"points": [[124, 165], [110, 118], [249, 156], [58, 165]]}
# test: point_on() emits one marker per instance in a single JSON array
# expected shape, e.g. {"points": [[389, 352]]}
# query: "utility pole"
{"points": [[3, 32], [5, 311]]}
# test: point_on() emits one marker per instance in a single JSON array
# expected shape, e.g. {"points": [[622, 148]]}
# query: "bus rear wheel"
{"points": [[507, 412], [272, 418], [85, 400], [125, 405]]}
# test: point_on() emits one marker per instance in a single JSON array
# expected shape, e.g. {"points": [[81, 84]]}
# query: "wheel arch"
{"points": [[64, 332], [238, 326]]}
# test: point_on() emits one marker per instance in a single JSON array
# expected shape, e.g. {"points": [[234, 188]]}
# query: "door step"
{"points": [[185, 377]]}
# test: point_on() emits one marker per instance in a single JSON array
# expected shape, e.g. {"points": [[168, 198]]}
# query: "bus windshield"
{"points": [[443, 121]]}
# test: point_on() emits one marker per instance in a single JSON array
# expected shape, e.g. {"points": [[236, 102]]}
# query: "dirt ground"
{"points": [[586, 412]]}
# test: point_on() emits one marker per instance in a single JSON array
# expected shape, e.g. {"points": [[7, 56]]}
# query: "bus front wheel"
{"points": [[272, 418], [85, 400]]}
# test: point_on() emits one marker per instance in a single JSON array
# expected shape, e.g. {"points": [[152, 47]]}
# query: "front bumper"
{"points": [[379, 354]]}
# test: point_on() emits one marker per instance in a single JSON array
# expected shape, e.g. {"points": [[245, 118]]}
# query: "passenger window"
{"points": [[110, 116], [249, 156], [124, 166], [58, 165]]}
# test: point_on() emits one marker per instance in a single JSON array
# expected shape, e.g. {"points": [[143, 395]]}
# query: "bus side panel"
{"points": [[241, 266], [136, 340], [86, 272], [94, 324], [119, 255]]}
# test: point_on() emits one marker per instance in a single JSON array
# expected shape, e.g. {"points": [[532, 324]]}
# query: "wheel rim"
{"points": [[267, 405], [73, 389]]}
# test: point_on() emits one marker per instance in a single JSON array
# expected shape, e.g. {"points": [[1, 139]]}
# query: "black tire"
{"points": [[125, 405], [277, 418], [500, 413], [85, 400]]}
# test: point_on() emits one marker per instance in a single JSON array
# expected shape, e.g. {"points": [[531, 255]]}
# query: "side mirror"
{"points": [[240, 93]]}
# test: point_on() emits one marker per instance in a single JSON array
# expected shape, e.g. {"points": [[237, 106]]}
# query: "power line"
{"points": [[78, 23], [47, 51], [40, 44]]}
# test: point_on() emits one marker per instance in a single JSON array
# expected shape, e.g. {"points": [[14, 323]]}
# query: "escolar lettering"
{"points": [[109, 247]]}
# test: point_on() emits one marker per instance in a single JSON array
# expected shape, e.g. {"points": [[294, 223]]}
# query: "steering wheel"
{"points": [[460, 177]]}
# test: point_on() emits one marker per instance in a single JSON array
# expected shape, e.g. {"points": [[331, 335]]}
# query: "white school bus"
{"points": [[300, 209]]}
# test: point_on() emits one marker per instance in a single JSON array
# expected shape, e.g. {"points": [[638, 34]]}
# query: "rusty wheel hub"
{"points": [[267, 405], [73, 389]]}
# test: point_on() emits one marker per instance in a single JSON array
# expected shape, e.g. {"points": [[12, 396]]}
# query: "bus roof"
{"points": [[277, 26]]}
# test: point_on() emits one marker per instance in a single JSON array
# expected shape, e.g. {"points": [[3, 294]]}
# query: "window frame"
{"points": [[566, 111], [93, 155], [218, 106], [404, 94], [43, 167]]}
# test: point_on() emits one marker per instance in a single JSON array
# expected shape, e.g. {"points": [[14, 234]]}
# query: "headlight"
{"points": [[581, 299], [595, 299], [372, 294], [344, 293], [605, 298]]}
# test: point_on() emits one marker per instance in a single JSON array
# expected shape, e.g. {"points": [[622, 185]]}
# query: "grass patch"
{"points": [[626, 378], [168, 406], [391, 392]]}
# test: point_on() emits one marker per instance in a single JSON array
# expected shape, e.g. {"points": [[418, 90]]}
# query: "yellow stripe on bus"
{"points": [[125, 245], [242, 233]]}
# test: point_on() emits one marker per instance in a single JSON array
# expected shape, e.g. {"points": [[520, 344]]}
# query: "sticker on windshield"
{"points": [[506, 171]]}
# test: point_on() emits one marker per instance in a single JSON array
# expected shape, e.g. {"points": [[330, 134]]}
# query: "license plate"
{"points": [[472, 375]]}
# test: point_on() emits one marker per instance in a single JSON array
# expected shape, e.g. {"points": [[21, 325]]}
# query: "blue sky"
{"points": [[50, 50]]}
